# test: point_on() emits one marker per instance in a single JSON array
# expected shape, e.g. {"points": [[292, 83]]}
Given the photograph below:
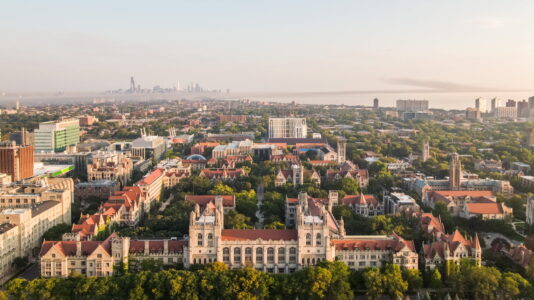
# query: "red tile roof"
{"points": [[255, 234], [150, 178], [395, 244], [485, 208], [358, 199]]}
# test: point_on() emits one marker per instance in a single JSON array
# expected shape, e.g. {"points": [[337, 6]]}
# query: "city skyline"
{"points": [[439, 47]]}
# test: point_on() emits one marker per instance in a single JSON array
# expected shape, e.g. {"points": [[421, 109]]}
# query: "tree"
{"points": [[55, 233], [512, 285], [248, 283], [340, 286], [275, 225], [314, 283], [435, 280], [235, 220], [375, 283], [483, 281], [184, 286], [414, 279], [221, 189], [213, 281], [396, 286]]}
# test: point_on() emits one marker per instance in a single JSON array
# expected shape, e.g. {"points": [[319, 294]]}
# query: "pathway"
{"points": [[259, 215], [166, 203]]}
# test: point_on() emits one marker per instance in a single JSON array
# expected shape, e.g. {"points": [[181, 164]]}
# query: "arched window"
{"points": [[270, 255], [308, 239], [199, 239], [210, 240], [226, 255], [318, 239], [282, 255], [248, 255], [237, 255], [259, 255]]}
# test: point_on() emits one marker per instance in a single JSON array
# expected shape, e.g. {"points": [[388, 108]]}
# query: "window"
{"points": [[210, 240], [292, 255], [226, 255], [237, 255], [270, 255], [248, 255], [308, 239], [282, 255], [259, 255], [318, 239], [99, 256], [199, 239]]}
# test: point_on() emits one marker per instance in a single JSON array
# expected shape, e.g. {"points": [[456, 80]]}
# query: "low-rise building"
{"points": [[100, 188], [399, 202], [365, 205], [222, 174]]}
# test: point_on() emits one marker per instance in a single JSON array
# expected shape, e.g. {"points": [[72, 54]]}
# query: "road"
{"points": [[166, 203], [259, 215]]}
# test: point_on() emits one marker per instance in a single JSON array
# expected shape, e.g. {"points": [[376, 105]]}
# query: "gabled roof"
{"points": [[150, 178], [203, 200]]}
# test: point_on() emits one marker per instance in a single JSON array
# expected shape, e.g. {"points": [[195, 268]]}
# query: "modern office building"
{"points": [[56, 136], [288, 128], [412, 105], [148, 147], [16, 160], [505, 112]]}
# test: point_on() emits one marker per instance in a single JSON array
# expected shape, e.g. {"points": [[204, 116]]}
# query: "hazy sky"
{"points": [[267, 45]]}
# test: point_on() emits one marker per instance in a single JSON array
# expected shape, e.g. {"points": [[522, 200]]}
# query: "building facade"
{"points": [[288, 128], [16, 161], [56, 136]]}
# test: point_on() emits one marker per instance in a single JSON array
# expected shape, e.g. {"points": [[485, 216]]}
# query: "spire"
{"points": [[477, 242]]}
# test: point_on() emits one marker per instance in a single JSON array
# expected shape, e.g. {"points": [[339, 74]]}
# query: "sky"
{"points": [[267, 46]]}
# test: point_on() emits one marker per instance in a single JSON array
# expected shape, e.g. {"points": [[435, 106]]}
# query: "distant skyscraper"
{"points": [[288, 128], [455, 172], [17, 105], [425, 150], [55, 136], [375, 103], [412, 105], [473, 114], [510, 103], [16, 160], [481, 104], [522, 109], [496, 102]]}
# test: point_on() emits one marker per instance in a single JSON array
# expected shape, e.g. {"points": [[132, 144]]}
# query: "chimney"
{"points": [[165, 246]]}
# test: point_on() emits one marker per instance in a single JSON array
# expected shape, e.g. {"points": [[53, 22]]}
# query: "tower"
{"points": [[455, 172], [425, 150], [341, 150], [205, 233], [132, 85], [375, 103], [297, 174]]}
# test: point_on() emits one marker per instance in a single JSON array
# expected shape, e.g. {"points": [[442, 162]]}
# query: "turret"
{"points": [[342, 227]]}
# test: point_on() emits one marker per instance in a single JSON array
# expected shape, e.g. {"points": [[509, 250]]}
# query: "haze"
{"points": [[267, 46]]}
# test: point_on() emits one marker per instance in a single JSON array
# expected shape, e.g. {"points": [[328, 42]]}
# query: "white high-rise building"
{"points": [[482, 105], [288, 128]]}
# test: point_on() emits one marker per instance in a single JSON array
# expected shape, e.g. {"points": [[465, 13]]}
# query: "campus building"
{"points": [[317, 236], [288, 128], [16, 160], [56, 136]]}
